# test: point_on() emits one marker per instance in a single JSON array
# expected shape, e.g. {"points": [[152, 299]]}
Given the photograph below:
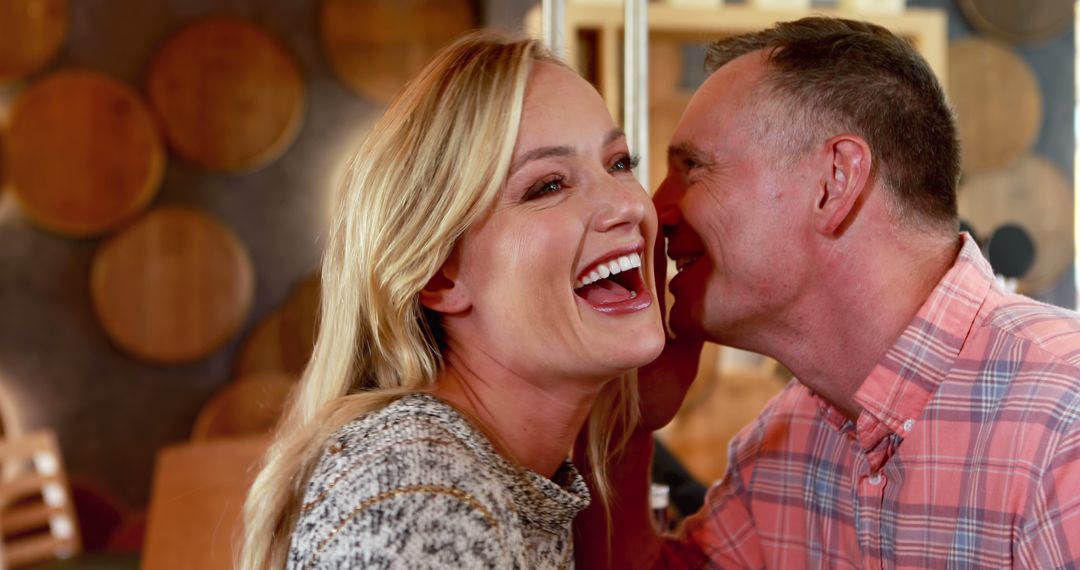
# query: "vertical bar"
{"points": [[636, 83], [554, 24], [610, 73]]}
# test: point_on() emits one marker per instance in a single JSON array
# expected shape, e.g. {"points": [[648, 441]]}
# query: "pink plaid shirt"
{"points": [[966, 454]]}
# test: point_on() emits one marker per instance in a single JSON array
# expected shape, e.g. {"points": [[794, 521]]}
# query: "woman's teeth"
{"points": [[608, 268]]}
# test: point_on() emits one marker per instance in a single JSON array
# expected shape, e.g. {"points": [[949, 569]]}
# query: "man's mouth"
{"points": [[684, 261], [613, 282]]}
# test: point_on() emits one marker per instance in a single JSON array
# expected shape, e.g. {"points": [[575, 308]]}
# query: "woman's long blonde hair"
{"points": [[430, 168]]}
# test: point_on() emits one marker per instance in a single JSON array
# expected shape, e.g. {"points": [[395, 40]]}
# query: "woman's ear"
{"points": [[848, 177], [443, 293]]}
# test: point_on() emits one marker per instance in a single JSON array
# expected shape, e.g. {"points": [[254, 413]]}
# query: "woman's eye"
{"points": [[544, 187], [624, 163]]}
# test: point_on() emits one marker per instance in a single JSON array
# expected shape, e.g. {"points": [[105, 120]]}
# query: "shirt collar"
{"points": [[896, 391]]}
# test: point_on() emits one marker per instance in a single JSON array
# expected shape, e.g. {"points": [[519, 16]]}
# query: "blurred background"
{"points": [[166, 183]]}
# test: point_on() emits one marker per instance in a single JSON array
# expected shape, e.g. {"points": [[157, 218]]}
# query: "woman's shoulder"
{"points": [[416, 441], [407, 474]]}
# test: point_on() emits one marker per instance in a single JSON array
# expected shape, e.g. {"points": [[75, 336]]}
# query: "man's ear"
{"points": [[443, 293], [847, 161]]}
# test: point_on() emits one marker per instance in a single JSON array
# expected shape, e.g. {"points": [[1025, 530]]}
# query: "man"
{"points": [[810, 207]]}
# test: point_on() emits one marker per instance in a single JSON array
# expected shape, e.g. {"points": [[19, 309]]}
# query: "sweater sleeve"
{"points": [[423, 526]]}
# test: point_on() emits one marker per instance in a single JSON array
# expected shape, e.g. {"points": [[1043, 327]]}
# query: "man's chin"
{"points": [[683, 324]]}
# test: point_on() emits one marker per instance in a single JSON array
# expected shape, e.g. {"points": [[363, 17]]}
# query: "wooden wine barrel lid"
{"points": [[83, 154], [247, 407], [376, 46], [999, 107], [299, 318], [229, 95], [1033, 194], [173, 286], [261, 350], [1019, 20], [1, 156], [283, 341], [31, 33]]}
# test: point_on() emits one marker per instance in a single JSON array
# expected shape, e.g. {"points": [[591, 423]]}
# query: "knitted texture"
{"points": [[414, 485]]}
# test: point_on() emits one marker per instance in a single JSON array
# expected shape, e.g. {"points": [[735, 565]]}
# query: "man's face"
{"points": [[734, 216]]}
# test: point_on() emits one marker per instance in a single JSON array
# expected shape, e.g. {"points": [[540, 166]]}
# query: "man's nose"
{"points": [[666, 201]]}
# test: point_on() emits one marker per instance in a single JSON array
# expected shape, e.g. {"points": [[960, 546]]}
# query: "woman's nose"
{"points": [[621, 203]]}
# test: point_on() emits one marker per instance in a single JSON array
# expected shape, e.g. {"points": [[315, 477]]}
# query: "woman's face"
{"points": [[559, 275]]}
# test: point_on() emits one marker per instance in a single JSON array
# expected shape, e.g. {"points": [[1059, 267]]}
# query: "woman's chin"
{"points": [[636, 351], [651, 347]]}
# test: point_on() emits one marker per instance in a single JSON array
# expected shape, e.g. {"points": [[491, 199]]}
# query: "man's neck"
{"points": [[848, 325]]}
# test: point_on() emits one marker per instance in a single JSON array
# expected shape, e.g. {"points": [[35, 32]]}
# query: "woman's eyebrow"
{"points": [[614, 135], [550, 151], [539, 153]]}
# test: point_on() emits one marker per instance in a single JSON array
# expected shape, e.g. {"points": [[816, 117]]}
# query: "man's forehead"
{"points": [[735, 78], [702, 120], [720, 101]]}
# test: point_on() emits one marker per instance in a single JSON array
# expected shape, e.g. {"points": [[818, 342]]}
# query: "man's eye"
{"points": [[544, 187], [624, 163]]}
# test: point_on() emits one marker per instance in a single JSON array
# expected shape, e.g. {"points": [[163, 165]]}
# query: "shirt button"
{"points": [[875, 479], [908, 425]]}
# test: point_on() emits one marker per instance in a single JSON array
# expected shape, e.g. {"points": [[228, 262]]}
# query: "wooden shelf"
{"points": [[601, 25], [594, 49]]}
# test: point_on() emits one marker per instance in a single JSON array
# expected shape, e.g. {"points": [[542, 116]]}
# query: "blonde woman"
{"points": [[486, 288]]}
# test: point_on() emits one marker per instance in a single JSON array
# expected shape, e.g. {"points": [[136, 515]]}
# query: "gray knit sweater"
{"points": [[414, 485]]}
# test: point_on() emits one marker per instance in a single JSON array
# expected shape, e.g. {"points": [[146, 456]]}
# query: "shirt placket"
{"points": [[870, 496], [874, 483]]}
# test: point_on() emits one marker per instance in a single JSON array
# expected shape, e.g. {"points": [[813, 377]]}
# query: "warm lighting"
{"points": [[9, 210], [340, 154], [12, 416], [1076, 155], [5, 104]]}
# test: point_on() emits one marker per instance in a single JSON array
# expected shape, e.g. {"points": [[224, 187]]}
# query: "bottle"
{"points": [[658, 504]]}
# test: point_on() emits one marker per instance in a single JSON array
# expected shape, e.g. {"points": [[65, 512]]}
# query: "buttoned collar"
{"points": [[895, 392]]}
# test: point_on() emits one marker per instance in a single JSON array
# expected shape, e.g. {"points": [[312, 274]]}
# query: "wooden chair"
{"points": [[37, 517], [197, 502]]}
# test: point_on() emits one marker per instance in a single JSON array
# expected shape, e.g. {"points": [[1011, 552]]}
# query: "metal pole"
{"points": [[636, 83], [554, 26]]}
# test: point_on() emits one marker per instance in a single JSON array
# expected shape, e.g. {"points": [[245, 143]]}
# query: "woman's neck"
{"points": [[530, 424]]}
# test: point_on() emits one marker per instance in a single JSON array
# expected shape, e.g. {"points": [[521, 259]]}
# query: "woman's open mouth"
{"points": [[614, 284]]}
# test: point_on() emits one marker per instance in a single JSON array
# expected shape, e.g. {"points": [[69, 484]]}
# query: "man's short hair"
{"points": [[834, 75]]}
